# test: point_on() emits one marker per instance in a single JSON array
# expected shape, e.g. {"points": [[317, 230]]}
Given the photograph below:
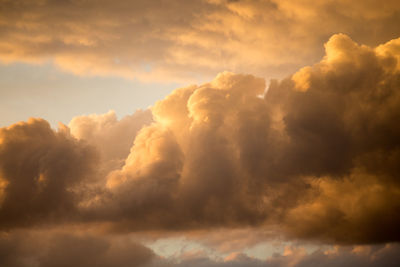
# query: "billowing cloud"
{"points": [[160, 39], [113, 138], [42, 173], [318, 155], [46, 174], [315, 156]]}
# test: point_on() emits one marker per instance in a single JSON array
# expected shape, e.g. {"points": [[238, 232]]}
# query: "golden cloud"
{"points": [[319, 163], [155, 40]]}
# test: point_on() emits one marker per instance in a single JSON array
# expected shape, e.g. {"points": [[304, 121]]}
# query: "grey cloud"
{"points": [[49, 249], [369, 256], [41, 173]]}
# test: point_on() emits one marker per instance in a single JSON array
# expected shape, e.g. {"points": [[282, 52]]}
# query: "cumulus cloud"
{"points": [[113, 138], [42, 173], [159, 39], [315, 156]]}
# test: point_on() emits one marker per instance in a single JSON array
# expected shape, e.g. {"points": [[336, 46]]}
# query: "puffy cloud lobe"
{"points": [[41, 172], [159, 39], [343, 127], [112, 137], [184, 166], [143, 191]]}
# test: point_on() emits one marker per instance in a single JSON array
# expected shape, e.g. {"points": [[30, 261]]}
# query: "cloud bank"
{"points": [[158, 39], [60, 248], [298, 257], [314, 157]]}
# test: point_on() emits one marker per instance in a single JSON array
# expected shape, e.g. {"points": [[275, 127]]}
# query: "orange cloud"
{"points": [[155, 40], [319, 163]]}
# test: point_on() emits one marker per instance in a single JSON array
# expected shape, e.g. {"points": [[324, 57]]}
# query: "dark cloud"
{"points": [[342, 131], [49, 249], [42, 173]]}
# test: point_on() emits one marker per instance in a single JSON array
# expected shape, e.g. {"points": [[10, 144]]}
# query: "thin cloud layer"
{"points": [[316, 158], [369, 256], [61, 248], [58, 248], [160, 39]]}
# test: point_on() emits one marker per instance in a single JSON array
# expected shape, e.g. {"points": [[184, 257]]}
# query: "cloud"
{"points": [[42, 173], [155, 39], [385, 255], [55, 247], [320, 162], [58, 248], [45, 175], [112, 137], [315, 158], [371, 256]]}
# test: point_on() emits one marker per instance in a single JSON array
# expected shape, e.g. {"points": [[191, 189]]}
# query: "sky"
{"points": [[199, 133]]}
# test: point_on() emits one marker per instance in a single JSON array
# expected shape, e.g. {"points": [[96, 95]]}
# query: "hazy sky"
{"points": [[199, 133]]}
